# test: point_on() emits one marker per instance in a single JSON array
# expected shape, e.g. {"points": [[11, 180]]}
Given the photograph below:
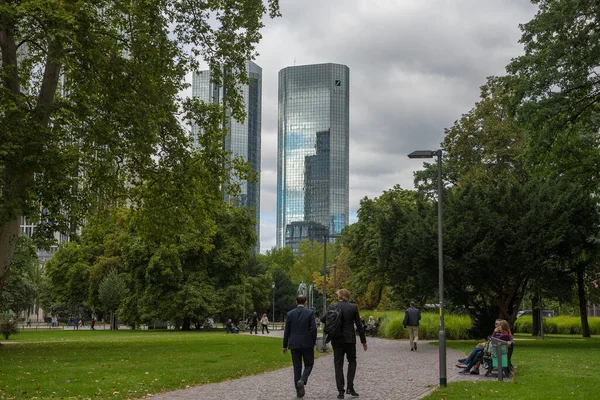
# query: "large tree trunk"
{"points": [[535, 314], [585, 328], [9, 233], [9, 230]]}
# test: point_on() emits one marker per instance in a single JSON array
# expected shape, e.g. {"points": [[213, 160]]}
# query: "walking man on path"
{"points": [[254, 323], [300, 336], [346, 343], [411, 320]]}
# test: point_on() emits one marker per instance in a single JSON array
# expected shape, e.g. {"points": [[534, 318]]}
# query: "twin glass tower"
{"points": [[243, 139], [312, 151]]}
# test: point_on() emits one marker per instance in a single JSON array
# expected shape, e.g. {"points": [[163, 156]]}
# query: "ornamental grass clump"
{"points": [[560, 325]]}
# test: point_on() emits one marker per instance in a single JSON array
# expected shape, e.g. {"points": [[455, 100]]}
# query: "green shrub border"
{"points": [[457, 326]]}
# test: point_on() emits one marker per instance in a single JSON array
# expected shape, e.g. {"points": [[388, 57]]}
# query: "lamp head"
{"points": [[422, 154]]}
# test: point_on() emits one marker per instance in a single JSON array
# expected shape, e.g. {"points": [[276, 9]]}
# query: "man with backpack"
{"points": [[342, 318]]}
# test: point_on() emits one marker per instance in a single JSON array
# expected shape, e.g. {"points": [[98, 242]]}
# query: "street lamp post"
{"points": [[244, 313], [325, 240], [273, 286], [442, 335]]}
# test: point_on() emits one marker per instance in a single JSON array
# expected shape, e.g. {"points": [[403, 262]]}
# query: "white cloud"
{"points": [[415, 67]]}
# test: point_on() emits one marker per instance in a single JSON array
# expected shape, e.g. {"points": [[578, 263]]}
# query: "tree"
{"points": [[282, 258], [393, 244], [111, 292], [89, 106], [557, 97], [22, 287], [556, 87]]}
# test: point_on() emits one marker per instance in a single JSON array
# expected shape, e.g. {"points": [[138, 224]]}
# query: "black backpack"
{"points": [[333, 322]]}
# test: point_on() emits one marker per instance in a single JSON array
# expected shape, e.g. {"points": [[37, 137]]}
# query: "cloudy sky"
{"points": [[415, 67]]}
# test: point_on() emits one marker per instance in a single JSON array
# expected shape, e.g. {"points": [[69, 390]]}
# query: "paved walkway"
{"points": [[387, 370]]}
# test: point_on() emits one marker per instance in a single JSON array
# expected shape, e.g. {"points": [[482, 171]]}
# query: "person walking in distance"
{"points": [[300, 336], [412, 316], [254, 323], [345, 344], [264, 321]]}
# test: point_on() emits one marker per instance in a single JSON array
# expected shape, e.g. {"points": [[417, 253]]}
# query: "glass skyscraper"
{"points": [[313, 152], [243, 139]]}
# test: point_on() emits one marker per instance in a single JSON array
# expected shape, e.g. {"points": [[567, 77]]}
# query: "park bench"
{"points": [[372, 330], [497, 355]]}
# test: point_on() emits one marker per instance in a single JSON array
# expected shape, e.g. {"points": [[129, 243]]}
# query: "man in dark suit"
{"points": [[300, 336], [346, 344]]}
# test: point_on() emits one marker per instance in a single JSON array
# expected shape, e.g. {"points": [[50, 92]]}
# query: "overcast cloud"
{"points": [[415, 67]]}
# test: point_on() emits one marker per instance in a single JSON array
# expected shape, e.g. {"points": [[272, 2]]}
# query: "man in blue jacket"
{"points": [[300, 336]]}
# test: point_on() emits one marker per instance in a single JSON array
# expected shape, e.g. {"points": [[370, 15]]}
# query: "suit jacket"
{"points": [[300, 329], [412, 316], [350, 318]]}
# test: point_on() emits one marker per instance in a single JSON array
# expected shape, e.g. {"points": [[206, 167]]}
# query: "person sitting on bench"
{"points": [[472, 362]]}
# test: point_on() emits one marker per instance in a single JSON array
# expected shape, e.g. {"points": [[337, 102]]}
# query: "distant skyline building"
{"points": [[243, 139], [313, 152]]}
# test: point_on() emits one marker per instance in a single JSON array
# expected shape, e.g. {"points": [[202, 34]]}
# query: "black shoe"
{"points": [[341, 395], [415, 346], [462, 360], [300, 386], [351, 392]]}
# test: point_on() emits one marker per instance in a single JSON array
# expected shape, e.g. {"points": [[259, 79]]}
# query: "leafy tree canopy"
{"points": [[90, 113]]}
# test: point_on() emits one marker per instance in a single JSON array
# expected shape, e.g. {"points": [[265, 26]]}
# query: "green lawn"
{"points": [[558, 367], [128, 364]]}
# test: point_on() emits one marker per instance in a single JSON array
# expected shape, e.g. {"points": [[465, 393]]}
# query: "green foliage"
{"points": [[555, 88], [116, 263], [457, 327], [394, 244], [8, 326], [90, 113], [112, 290], [22, 287], [281, 258], [308, 261], [560, 325]]}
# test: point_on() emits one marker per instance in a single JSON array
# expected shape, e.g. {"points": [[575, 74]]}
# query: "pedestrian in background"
{"points": [[412, 316], [264, 321]]}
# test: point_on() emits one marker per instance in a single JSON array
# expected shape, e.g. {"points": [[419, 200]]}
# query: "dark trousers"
{"points": [[254, 327], [308, 355], [339, 349], [265, 327]]}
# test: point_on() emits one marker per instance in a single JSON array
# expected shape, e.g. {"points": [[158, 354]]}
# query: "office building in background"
{"points": [[313, 153], [243, 139]]}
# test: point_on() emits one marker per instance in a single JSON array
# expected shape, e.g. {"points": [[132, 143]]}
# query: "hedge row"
{"points": [[457, 326], [561, 324]]}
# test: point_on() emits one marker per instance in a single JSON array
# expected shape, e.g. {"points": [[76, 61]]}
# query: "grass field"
{"points": [[133, 364], [128, 364], [558, 367]]}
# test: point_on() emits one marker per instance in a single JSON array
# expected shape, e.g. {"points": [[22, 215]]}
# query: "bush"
{"points": [[456, 326], [8, 327], [560, 324]]}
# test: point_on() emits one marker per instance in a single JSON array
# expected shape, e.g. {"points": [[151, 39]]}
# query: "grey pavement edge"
{"points": [[387, 370]]}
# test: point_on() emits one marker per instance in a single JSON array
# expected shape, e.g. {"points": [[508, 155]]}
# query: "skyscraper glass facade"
{"points": [[313, 152], [243, 139]]}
